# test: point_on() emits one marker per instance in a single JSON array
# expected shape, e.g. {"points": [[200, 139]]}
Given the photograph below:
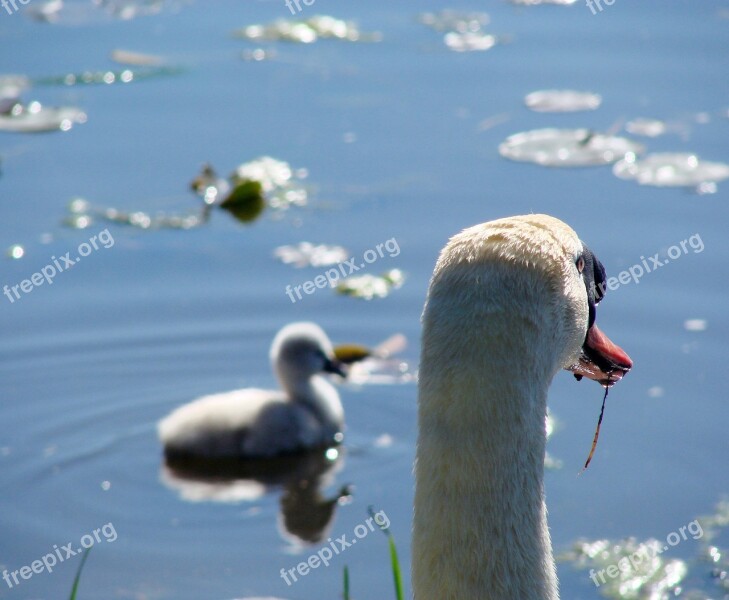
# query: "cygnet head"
{"points": [[300, 351]]}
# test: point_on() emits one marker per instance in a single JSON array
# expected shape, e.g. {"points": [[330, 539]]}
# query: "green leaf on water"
{"points": [[246, 201]]}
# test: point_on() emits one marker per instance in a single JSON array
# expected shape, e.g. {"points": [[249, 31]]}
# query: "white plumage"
{"points": [[507, 308]]}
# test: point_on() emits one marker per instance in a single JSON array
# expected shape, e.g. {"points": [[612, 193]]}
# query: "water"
{"points": [[390, 135]]}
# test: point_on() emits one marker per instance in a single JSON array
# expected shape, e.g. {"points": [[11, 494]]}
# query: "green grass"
{"points": [[394, 564], [346, 583], [76, 580]]}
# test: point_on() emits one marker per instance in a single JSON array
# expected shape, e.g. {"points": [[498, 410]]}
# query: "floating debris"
{"points": [[453, 20], [562, 101], [493, 121], [281, 184], [671, 170], [695, 324], [83, 214], [130, 9], [646, 127], [246, 201], [307, 32], [16, 251], [656, 391], [46, 12], [35, 118], [306, 254], [377, 365], [108, 77], [464, 29], [368, 286], [257, 55], [469, 42], [79, 13], [254, 186], [209, 186], [136, 59], [11, 87], [567, 148]]}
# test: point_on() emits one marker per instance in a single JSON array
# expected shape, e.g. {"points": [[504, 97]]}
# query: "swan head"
{"points": [[301, 350], [528, 277]]}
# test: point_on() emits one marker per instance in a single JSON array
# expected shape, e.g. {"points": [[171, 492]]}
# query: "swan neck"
{"points": [[480, 527]]}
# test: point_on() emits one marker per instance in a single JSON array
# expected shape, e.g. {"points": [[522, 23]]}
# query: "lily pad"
{"points": [[10, 89], [562, 101], [567, 148], [469, 42], [35, 118], [453, 20], [307, 32], [246, 201], [136, 59], [671, 170], [280, 183], [306, 254], [369, 286], [646, 127]]}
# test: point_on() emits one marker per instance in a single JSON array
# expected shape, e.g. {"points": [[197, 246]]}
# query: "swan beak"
{"points": [[601, 360], [334, 365]]}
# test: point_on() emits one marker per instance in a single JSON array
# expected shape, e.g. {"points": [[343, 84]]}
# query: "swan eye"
{"points": [[580, 264]]}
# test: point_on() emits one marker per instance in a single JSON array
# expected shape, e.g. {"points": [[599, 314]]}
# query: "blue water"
{"points": [[91, 363]]}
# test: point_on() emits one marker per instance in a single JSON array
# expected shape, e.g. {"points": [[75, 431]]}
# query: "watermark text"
{"points": [[58, 265], [50, 560]]}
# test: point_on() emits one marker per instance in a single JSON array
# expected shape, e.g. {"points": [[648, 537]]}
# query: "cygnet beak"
{"points": [[334, 365]]}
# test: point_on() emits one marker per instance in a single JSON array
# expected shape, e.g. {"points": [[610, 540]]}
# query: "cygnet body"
{"points": [[305, 413]]}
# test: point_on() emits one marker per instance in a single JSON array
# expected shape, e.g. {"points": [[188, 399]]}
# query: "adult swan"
{"points": [[511, 302]]}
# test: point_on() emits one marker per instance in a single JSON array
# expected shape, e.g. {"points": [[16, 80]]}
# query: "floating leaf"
{"points": [[246, 201], [281, 184], [209, 186], [453, 20], [307, 32], [35, 118], [351, 353], [11, 87], [646, 127], [136, 59], [469, 42], [562, 101], [306, 254], [371, 286], [671, 170], [567, 147]]}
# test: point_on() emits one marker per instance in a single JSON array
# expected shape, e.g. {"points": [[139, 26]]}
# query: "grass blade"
{"points": [[394, 561], [346, 583], [74, 589], [396, 575]]}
